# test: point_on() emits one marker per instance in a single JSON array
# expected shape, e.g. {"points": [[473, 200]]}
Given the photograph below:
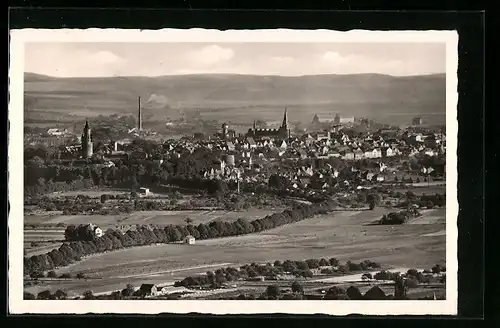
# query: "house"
{"points": [[348, 155], [148, 290], [230, 146], [190, 240], [56, 132], [430, 152], [302, 154], [416, 121], [359, 154], [92, 229], [388, 152], [98, 232], [144, 191]]}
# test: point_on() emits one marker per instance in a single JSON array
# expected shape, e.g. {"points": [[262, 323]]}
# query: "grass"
{"points": [[148, 217], [340, 234]]}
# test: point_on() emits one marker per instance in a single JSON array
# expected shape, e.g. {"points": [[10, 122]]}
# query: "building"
{"points": [[87, 145], [56, 132], [92, 230], [346, 120], [326, 118], [144, 191], [148, 290], [282, 132], [226, 133], [190, 240], [416, 121]]}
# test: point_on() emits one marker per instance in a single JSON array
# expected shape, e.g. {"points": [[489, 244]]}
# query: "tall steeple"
{"points": [[285, 119]]}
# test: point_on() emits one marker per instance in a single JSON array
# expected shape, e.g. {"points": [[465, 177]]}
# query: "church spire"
{"points": [[285, 119]]}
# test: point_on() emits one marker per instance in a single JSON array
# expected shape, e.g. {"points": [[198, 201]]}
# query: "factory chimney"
{"points": [[139, 116]]}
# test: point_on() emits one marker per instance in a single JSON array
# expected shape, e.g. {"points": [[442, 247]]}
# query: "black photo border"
{"points": [[471, 116]]}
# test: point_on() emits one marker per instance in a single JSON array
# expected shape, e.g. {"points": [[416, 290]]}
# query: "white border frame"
{"points": [[15, 174]]}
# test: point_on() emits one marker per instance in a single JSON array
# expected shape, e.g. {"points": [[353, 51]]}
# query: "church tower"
{"points": [[284, 130], [87, 146]]}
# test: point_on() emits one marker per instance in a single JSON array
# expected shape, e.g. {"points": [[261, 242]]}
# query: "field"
{"points": [[147, 217], [428, 190], [345, 235], [42, 241]]}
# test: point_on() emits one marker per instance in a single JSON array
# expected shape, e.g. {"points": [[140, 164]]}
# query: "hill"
{"points": [[239, 98]]}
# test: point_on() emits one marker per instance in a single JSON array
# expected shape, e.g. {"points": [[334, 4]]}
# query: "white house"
{"points": [[56, 132], [190, 240], [98, 232], [348, 155], [144, 191]]}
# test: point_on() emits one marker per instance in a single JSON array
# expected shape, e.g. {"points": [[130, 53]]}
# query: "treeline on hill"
{"points": [[44, 172], [82, 232], [423, 201], [271, 271], [113, 239], [400, 217]]}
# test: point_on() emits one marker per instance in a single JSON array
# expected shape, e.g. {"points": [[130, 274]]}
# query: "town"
{"points": [[101, 191]]}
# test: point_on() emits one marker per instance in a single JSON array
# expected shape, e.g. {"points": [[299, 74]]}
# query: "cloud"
{"points": [[58, 60], [104, 58], [211, 55]]}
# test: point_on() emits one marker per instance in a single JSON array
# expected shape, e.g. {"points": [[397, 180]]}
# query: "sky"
{"points": [[286, 59]]}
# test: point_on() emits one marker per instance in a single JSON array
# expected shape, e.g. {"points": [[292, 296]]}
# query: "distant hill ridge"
{"points": [[369, 94]]}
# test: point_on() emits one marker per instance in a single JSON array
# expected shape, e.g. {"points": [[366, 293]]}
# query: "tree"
{"points": [[88, 295], [51, 274], [272, 291], [297, 287], [60, 294], [44, 295], [28, 296], [367, 276], [128, 291], [353, 293], [188, 220], [436, 269], [104, 198], [80, 275], [373, 200], [323, 262], [334, 262]]}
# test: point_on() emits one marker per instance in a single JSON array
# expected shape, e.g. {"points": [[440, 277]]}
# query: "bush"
{"points": [[436, 269], [28, 296], [334, 262], [297, 287], [367, 276], [272, 291], [353, 293], [51, 274], [412, 282]]}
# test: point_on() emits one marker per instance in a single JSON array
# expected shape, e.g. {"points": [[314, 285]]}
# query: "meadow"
{"points": [[162, 218], [344, 235]]}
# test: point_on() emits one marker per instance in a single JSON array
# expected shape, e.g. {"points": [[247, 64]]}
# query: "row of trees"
{"points": [[145, 235], [270, 271]]}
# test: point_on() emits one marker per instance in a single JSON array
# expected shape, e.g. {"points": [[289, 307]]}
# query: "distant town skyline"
{"points": [[285, 59]]}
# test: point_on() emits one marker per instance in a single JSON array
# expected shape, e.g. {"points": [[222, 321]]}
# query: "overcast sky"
{"points": [[287, 59]]}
